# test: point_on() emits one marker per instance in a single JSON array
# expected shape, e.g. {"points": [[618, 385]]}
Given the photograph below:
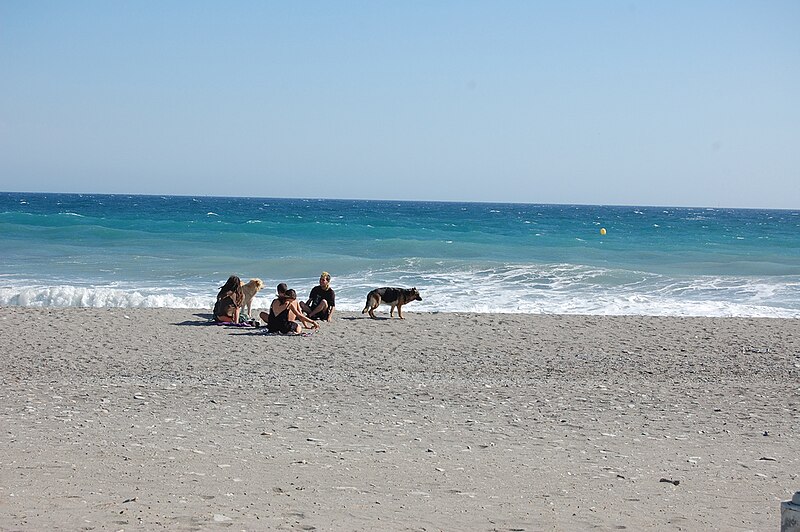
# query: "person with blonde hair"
{"points": [[321, 301]]}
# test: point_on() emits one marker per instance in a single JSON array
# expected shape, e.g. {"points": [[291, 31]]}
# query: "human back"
{"points": [[229, 301], [283, 313]]}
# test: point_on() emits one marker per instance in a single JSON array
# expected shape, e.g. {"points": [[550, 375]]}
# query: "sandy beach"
{"points": [[129, 419]]}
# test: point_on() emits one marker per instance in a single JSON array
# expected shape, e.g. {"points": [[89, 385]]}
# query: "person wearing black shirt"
{"points": [[321, 301]]}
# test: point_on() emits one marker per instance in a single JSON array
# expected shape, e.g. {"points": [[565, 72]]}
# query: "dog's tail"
{"points": [[370, 304]]}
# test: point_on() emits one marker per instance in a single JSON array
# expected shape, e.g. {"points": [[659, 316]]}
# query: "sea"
{"points": [[95, 250]]}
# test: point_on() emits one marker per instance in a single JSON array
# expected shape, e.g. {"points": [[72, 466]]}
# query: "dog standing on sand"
{"points": [[396, 297], [250, 289]]}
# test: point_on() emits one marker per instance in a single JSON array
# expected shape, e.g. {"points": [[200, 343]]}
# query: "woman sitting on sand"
{"points": [[283, 312], [229, 301]]}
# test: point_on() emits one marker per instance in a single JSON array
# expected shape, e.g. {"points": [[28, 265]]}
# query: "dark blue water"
{"points": [[168, 251]]}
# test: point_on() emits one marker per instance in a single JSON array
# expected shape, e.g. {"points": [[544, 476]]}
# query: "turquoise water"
{"points": [[174, 251]]}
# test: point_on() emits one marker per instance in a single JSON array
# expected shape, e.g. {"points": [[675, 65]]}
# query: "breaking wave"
{"points": [[551, 289]]}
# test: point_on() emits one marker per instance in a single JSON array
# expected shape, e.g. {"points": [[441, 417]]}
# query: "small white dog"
{"points": [[250, 290]]}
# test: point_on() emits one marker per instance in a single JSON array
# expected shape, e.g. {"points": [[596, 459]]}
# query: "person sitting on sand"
{"points": [[293, 304], [283, 312], [229, 301], [321, 300]]}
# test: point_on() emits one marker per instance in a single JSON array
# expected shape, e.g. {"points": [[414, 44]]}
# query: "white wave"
{"points": [[570, 289], [605, 305], [76, 296], [532, 289]]}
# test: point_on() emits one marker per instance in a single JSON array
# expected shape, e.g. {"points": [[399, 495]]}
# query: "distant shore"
{"points": [[119, 418]]}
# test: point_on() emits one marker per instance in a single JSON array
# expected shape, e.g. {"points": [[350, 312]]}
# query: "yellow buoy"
{"points": [[602, 230]]}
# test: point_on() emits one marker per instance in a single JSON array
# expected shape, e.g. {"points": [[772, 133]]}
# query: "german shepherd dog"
{"points": [[396, 297]]}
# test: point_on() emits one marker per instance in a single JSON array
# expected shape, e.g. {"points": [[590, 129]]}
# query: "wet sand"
{"points": [[134, 419]]}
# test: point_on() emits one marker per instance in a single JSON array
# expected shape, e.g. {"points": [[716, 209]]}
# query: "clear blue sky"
{"points": [[691, 103]]}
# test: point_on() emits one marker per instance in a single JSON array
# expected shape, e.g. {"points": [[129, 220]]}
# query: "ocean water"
{"points": [[175, 251]]}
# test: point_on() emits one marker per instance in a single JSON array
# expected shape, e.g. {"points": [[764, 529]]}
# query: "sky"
{"points": [[684, 103]]}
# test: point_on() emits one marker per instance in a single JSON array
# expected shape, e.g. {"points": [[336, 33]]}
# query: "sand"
{"points": [[128, 419]]}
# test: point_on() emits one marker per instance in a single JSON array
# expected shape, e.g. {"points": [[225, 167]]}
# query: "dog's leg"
{"points": [[373, 304], [399, 311]]}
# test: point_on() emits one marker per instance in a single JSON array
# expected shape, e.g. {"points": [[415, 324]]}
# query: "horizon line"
{"points": [[488, 202]]}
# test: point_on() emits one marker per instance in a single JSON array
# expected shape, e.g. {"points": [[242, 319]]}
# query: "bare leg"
{"points": [[302, 321], [321, 307]]}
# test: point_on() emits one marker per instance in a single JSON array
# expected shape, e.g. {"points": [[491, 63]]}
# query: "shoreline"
{"points": [[143, 418], [262, 303]]}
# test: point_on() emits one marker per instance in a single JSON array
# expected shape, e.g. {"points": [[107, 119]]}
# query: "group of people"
{"points": [[286, 314]]}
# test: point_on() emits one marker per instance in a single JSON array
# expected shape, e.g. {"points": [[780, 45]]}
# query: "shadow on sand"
{"points": [[205, 319]]}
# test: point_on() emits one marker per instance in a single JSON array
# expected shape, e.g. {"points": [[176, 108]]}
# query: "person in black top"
{"points": [[321, 301], [283, 313]]}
